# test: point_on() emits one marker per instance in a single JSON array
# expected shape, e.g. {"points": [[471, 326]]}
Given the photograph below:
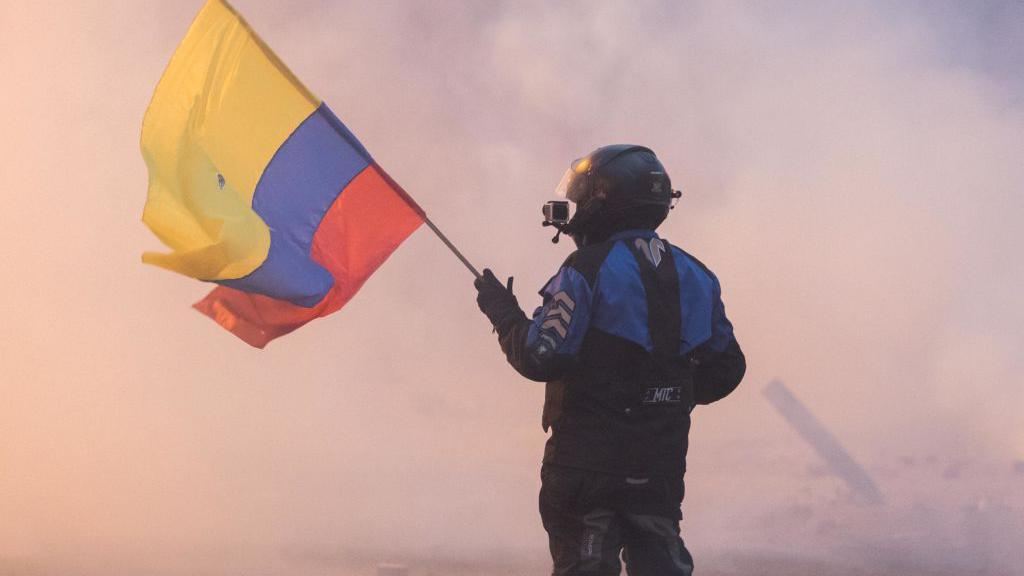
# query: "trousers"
{"points": [[593, 517]]}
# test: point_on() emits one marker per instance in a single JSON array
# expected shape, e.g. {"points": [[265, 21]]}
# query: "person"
{"points": [[631, 335]]}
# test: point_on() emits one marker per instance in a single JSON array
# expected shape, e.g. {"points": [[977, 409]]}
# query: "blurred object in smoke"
{"points": [[824, 443], [1018, 466], [392, 570]]}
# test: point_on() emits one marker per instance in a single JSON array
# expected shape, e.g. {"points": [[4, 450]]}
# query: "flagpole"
{"points": [[450, 246]]}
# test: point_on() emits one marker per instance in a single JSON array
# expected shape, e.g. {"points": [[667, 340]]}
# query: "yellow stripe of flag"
{"points": [[223, 107]]}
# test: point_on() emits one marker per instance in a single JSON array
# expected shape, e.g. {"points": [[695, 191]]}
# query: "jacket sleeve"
{"points": [[719, 362], [545, 347]]}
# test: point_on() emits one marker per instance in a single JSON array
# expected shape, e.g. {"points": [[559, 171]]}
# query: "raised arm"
{"points": [[543, 348]]}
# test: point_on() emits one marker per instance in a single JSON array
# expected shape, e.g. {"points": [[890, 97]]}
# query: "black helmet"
{"points": [[615, 188]]}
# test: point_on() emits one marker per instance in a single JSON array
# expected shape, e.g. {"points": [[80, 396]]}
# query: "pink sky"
{"points": [[858, 195]]}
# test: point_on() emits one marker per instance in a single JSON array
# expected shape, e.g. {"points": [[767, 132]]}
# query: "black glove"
{"points": [[497, 301]]}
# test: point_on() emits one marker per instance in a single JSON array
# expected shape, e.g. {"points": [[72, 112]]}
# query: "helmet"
{"points": [[615, 188]]}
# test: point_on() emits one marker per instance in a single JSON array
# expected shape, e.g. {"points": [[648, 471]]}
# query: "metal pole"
{"points": [[451, 246], [824, 443]]}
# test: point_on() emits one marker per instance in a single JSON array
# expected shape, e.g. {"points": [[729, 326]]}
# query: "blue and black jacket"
{"points": [[631, 335]]}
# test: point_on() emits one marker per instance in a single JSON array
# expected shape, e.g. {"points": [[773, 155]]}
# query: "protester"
{"points": [[632, 334]]}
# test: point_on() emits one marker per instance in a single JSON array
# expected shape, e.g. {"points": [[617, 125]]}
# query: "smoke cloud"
{"points": [[851, 171]]}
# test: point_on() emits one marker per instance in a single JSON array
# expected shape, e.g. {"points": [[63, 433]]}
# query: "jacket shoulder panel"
{"points": [[589, 259], [694, 259]]}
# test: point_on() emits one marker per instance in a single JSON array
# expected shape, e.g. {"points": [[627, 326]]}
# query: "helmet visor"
{"points": [[572, 185]]}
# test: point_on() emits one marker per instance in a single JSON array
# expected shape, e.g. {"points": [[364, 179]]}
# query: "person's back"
{"points": [[631, 335], [647, 312]]}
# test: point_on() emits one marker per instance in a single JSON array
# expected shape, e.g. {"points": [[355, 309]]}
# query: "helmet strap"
{"points": [[581, 219]]}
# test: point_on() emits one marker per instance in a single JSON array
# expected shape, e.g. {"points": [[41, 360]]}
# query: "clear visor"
{"points": [[568, 185]]}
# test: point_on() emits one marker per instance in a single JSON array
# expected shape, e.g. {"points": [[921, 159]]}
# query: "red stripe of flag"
{"points": [[368, 221]]}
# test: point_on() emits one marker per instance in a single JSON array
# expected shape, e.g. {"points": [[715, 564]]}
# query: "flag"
{"points": [[256, 185]]}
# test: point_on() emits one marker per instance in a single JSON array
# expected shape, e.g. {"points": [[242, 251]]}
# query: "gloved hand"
{"points": [[497, 301]]}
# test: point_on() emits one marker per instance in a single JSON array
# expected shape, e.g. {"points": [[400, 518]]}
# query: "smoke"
{"points": [[851, 171]]}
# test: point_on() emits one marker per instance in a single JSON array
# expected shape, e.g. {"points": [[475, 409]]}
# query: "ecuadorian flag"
{"points": [[256, 185]]}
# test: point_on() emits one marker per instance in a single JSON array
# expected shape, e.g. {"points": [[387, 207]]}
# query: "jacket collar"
{"points": [[637, 233]]}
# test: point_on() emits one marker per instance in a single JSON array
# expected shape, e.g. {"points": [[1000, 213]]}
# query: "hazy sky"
{"points": [[851, 171]]}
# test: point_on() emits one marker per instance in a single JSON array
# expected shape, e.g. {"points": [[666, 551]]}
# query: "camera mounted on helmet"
{"points": [[556, 212], [614, 188]]}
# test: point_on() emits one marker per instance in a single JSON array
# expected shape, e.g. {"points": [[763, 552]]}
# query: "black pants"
{"points": [[592, 517]]}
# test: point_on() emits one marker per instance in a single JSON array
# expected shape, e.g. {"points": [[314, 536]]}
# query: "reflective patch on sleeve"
{"points": [[560, 324], [545, 346], [558, 316], [558, 320], [563, 299]]}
